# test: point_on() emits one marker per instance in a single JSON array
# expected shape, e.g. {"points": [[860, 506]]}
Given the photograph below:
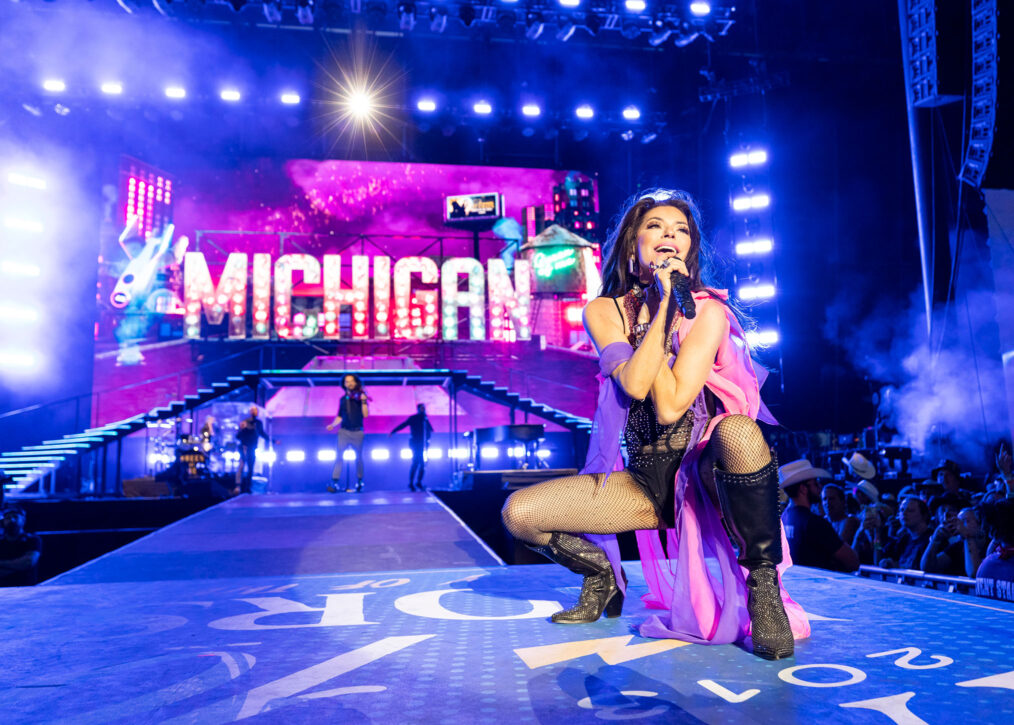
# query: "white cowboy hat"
{"points": [[860, 466], [797, 471], [869, 489]]}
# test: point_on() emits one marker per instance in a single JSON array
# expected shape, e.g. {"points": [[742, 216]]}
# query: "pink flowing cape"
{"points": [[701, 587]]}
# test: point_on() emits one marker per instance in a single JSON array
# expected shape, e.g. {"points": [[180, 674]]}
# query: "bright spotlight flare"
{"points": [[358, 94]]}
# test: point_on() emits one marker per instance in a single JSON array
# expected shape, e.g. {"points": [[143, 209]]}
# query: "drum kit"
{"points": [[214, 450]]}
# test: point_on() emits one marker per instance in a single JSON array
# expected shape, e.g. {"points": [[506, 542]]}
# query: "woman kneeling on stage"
{"points": [[678, 382]]}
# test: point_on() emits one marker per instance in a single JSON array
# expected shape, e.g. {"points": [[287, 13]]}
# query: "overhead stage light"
{"points": [[304, 12], [584, 112], [17, 359], [426, 105], [295, 456], [566, 31], [756, 246], [18, 313], [531, 110], [661, 30], [762, 337], [535, 23], [230, 94], [756, 292], [755, 201], [406, 16], [54, 85], [631, 113], [483, 108], [405, 453], [466, 13], [748, 158], [438, 19], [360, 104], [32, 182], [700, 9], [380, 454], [112, 88], [23, 225], [290, 99], [327, 454], [635, 6], [175, 92], [13, 268], [570, 3], [273, 11]]}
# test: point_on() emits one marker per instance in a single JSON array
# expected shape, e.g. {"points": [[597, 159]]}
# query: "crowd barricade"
{"points": [[914, 577]]}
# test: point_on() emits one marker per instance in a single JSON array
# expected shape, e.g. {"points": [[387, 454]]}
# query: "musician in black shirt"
{"points": [[251, 430], [420, 430], [352, 410]]}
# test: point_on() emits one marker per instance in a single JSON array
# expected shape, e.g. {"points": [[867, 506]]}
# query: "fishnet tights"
{"points": [[581, 504], [578, 504]]}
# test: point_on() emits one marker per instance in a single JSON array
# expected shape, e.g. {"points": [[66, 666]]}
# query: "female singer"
{"points": [[679, 383]]}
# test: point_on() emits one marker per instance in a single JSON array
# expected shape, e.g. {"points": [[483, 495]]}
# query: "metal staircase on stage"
{"points": [[35, 464]]}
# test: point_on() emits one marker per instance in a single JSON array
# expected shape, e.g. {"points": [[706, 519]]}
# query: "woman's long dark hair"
{"points": [[621, 246]]}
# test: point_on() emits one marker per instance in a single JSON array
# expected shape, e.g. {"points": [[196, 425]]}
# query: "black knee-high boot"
{"points": [[750, 508], [599, 592]]}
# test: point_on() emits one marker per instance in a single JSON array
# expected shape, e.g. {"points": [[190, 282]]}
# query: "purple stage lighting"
{"points": [[635, 6], [570, 3], [54, 85], [230, 94], [531, 110], [483, 108], [426, 105], [175, 92], [585, 112], [700, 9], [290, 99], [112, 88]]}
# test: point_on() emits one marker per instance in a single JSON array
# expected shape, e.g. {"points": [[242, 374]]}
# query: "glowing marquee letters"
{"points": [[414, 315]]}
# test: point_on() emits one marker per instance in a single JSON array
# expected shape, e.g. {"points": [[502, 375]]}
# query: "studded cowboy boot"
{"points": [[749, 504], [599, 592]]}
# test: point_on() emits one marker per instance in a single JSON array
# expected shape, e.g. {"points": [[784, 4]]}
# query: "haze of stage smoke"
{"points": [[944, 400]]}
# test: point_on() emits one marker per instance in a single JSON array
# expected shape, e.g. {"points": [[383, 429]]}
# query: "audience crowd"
{"points": [[948, 524]]}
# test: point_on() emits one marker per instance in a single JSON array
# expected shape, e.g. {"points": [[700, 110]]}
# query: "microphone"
{"points": [[682, 295]]}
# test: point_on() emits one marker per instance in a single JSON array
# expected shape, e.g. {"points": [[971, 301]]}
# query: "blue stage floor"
{"points": [[296, 609]]}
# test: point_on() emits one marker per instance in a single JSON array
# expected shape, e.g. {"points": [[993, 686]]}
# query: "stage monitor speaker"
{"points": [[145, 487]]}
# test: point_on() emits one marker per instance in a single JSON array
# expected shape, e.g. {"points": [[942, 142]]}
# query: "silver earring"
{"points": [[631, 265]]}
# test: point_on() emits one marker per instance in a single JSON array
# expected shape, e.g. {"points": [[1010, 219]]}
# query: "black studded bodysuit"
{"points": [[655, 452]]}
